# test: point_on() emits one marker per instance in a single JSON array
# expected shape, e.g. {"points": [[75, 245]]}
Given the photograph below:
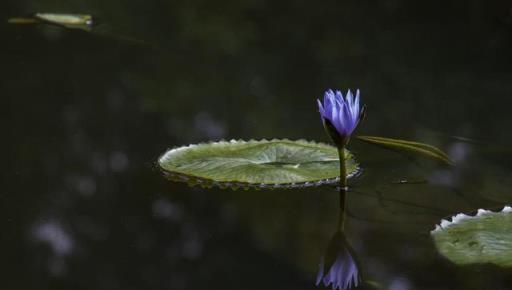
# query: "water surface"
{"points": [[88, 113]]}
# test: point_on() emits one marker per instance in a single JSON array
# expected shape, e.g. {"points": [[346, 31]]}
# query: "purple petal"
{"points": [[339, 98], [350, 99], [347, 120], [329, 103], [328, 95], [340, 121], [356, 111], [321, 108]]}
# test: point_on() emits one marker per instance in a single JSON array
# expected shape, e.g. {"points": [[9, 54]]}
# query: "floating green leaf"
{"points": [[483, 238], [72, 21], [257, 164], [410, 146]]}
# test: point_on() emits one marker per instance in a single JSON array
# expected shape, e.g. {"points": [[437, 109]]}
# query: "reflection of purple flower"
{"points": [[342, 113], [342, 268]]}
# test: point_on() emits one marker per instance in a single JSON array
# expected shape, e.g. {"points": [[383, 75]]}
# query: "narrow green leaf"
{"points": [[23, 20], [256, 164], [485, 237], [71, 21], [410, 146]]}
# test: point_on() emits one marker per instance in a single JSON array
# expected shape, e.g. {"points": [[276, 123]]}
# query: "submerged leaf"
{"points": [[257, 164], [410, 146], [483, 238]]}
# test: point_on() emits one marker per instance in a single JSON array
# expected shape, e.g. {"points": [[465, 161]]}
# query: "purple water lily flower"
{"points": [[341, 266], [340, 114]]}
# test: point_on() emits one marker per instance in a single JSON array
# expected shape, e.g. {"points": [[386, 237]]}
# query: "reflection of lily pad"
{"points": [[257, 164], [483, 238]]}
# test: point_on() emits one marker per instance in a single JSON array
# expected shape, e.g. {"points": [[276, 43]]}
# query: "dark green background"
{"points": [[86, 115]]}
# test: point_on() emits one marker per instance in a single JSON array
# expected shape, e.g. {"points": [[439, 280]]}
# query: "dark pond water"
{"points": [[86, 115]]}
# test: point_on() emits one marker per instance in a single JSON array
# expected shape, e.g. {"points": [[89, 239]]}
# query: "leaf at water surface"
{"points": [[483, 238], [72, 21], [410, 146], [257, 164]]}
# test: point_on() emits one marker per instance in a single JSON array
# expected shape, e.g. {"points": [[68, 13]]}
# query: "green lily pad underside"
{"points": [[483, 238], [277, 163]]}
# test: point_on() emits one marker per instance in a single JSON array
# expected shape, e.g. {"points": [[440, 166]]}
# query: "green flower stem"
{"points": [[343, 187]]}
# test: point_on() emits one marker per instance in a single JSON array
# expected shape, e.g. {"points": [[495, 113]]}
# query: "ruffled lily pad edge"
{"points": [[456, 219], [234, 185]]}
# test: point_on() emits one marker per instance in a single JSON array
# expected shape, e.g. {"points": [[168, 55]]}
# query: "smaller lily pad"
{"points": [[256, 164], [483, 238]]}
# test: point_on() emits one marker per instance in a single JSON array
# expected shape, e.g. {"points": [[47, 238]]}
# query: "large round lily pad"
{"points": [[483, 238], [257, 164]]}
